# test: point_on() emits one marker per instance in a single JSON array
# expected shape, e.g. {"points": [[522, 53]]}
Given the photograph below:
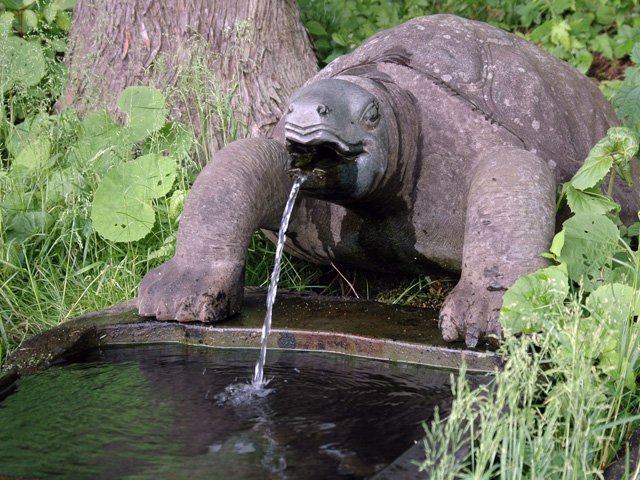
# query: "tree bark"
{"points": [[245, 56]]}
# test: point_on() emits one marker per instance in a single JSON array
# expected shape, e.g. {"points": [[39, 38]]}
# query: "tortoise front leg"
{"points": [[243, 188], [510, 221]]}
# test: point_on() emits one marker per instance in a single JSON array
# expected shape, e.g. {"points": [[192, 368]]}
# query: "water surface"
{"points": [[159, 412]]}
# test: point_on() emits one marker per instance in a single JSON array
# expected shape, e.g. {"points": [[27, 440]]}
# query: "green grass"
{"points": [[550, 413]]}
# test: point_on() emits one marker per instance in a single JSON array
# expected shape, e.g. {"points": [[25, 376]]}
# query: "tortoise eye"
{"points": [[371, 115]]}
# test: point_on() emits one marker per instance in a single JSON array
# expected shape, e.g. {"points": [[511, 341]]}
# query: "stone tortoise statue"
{"points": [[437, 144]]}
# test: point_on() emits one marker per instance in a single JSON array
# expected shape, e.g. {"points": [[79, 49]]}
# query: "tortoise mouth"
{"points": [[318, 150]]}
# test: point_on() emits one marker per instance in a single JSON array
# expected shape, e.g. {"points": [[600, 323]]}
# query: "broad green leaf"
{"points": [[627, 105], [532, 297], [63, 21], [23, 225], [602, 44], [592, 171], [632, 76], [614, 303], [582, 60], [59, 184], [589, 201], [16, 4], [50, 12], [28, 20], [618, 147], [154, 174], [32, 158], [316, 29], [557, 243], [145, 108], [121, 211], [336, 37], [99, 140], [28, 131], [6, 24], [21, 63], [172, 139], [635, 53], [591, 241]]}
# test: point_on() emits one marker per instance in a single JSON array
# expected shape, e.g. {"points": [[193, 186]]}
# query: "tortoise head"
{"points": [[336, 135]]}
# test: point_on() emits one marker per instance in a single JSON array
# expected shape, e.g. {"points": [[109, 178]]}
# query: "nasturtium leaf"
{"points": [[121, 210], [591, 241], [589, 201], [635, 53], [145, 108], [21, 63], [532, 297]]}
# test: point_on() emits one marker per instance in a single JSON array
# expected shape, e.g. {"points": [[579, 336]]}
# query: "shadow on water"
{"points": [[160, 411]]}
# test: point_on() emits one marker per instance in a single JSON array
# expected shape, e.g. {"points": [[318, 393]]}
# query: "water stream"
{"points": [[258, 375]]}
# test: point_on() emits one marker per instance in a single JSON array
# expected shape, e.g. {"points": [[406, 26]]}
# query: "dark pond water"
{"points": [[155, 412]]}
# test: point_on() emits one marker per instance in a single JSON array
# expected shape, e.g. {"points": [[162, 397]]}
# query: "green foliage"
{"points": [[570, 29], [595, 266], [145, 109], [32, 41], [121, 209], [627, 100]]}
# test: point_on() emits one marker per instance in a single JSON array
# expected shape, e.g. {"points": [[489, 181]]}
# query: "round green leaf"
{"points": [[145, 108], [121, 210], [118, 213], [21, 63]]}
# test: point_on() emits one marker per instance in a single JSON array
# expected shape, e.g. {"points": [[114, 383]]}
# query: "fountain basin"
{"points": [[301, 323]]}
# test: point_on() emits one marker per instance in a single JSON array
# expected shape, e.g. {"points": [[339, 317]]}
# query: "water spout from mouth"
{"points": [[258, 376]]}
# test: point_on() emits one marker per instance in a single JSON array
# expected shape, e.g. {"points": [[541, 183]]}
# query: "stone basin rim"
{"points": [[120, 324]]}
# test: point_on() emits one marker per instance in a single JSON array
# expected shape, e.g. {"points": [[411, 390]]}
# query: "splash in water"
{"points": [[258, 375]]}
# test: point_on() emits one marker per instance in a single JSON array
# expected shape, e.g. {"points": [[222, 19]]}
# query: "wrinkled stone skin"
{"points": [[465, 131]]}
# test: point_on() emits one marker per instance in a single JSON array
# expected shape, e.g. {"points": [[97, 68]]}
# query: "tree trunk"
{"points": [[214, 57]]}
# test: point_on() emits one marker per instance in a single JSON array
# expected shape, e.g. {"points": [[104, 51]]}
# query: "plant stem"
{"points": [[611, 182]]}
